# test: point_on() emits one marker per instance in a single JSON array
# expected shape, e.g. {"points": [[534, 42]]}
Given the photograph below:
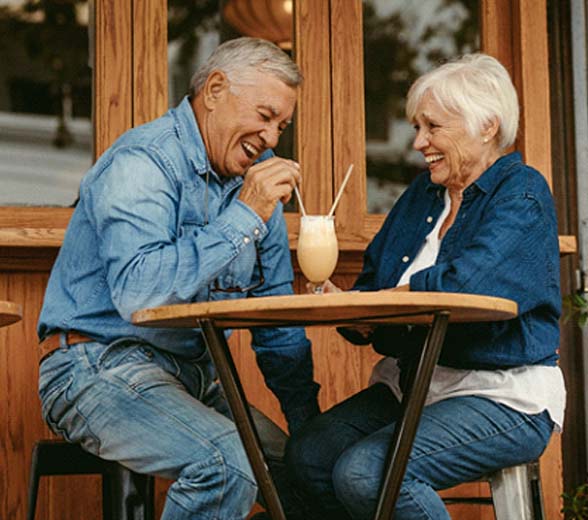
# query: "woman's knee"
{"points": [[357, 486], [356, 481], [299, 455]]}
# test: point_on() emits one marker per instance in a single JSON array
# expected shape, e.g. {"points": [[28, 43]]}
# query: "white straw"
{"points": [[347, 175], [300, 201]]}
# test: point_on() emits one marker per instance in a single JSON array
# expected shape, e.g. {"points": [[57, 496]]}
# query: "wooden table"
{"points": [[9, 313], [347, 308]]}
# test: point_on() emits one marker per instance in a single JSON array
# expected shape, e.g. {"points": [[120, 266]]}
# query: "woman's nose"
{"points": [[421, 139]]}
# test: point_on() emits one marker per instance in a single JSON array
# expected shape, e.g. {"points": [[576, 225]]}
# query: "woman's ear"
{"points": [[491, 129], [216, 86]]}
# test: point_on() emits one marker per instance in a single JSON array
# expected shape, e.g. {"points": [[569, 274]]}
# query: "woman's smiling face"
{"points": [[455, 157]]}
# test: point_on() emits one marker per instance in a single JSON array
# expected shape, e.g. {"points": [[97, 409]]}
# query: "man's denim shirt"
{"points": [[503, 243], [148, 231]]}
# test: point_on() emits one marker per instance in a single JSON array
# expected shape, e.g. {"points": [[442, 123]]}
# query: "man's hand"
{"points": [[267, 182]]}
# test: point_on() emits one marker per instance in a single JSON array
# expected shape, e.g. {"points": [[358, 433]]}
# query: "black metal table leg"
{"points": [[223, 361], [413, 402]]}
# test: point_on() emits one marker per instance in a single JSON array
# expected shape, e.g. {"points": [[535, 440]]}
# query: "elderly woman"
{"points": [[477, 221]]}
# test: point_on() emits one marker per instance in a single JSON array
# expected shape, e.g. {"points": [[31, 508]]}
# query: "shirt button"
{"points": [[246, 240], [256, 232], [405, 259], [429, 219]]}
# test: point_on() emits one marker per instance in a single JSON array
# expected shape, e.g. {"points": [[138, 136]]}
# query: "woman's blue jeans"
{"points": [[159, 414], [337, 460]]}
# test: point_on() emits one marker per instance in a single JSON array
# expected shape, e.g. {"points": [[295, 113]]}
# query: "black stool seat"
{"points": [[126, 495]]}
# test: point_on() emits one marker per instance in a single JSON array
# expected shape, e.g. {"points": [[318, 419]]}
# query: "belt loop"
{"points": [[63, 341]]}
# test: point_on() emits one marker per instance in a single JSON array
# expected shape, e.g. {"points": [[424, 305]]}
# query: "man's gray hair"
{"points": [[476, 87], [239, 57]]}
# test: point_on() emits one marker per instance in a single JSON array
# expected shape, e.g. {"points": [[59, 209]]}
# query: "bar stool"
{"points": [[516, 493], [125, 495]]}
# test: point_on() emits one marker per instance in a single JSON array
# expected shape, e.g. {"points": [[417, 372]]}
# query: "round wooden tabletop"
{"points": [[336, 308], [9, 313]]}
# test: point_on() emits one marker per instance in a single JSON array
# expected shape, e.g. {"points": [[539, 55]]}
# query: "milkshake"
{"points": [[317, 248]]}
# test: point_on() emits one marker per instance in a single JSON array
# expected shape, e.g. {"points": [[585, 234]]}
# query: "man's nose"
{"points": [[271, 136]]}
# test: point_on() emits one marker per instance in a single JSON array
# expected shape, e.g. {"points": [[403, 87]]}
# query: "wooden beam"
{"points": [[112, 87], [150, 67], [313, 121]]}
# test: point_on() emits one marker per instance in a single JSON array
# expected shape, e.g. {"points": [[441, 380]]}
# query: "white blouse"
{"points": [[528, 389]]}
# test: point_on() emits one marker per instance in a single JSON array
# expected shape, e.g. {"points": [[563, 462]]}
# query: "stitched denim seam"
{"points": [[165, 411], [414, 497], [90, 432], [219, 461], [473, 441]]}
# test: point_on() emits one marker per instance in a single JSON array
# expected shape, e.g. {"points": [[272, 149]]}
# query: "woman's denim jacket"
{"points": [[504, 243], [155, 225]]}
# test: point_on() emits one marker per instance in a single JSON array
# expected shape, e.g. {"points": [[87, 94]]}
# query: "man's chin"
{"points": [[235, 171]]}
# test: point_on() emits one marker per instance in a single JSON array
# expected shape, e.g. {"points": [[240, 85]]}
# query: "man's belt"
{"points": [[49, 345]]}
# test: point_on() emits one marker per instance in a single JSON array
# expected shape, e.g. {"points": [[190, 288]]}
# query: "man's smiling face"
{"points": [[245, 119]]}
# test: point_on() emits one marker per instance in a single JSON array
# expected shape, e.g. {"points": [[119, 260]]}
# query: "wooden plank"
{"points": [[31, 237], [112, 88], [532, 80], [348, 115], [524, 53], [34, 217], [149, 60], [21, 424], [497, 31], [313, 121], [551, 469]]}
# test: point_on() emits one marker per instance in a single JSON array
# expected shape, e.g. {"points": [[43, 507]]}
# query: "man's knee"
{"points": [[222, 479]]}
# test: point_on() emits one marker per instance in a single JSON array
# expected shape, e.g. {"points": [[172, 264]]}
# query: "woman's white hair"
{"points": [[239, 57], [476, 87]]}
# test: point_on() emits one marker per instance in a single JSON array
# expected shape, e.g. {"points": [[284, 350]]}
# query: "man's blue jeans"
{"points": [[337, 459], [159, 414]]}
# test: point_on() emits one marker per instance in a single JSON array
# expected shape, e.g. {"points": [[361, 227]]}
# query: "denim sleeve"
{"points": [[284, 353], [150, 259], [514, 254]]}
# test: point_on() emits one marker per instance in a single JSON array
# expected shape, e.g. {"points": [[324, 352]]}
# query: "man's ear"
{"points": [[216, 86]]}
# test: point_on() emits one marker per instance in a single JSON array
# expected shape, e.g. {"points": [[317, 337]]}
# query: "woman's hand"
{"points": [[328, 287], [399, 288], [364, 332]]}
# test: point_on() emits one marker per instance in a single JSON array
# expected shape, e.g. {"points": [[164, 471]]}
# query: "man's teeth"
{"points": [[433, 158], [250, 149]]}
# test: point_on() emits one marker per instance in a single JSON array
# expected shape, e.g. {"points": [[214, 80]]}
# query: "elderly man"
{"points": [[185, 208]]}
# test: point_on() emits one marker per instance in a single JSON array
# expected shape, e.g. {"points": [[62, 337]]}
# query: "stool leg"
{"points": [[127, 495], [33, 485], [511, 493], [108, 496], [139, 496], [536, 491]]}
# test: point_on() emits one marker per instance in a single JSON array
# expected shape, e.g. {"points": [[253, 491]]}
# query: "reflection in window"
{"points": [[195, 29], [402, 40], [45, 101]]}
